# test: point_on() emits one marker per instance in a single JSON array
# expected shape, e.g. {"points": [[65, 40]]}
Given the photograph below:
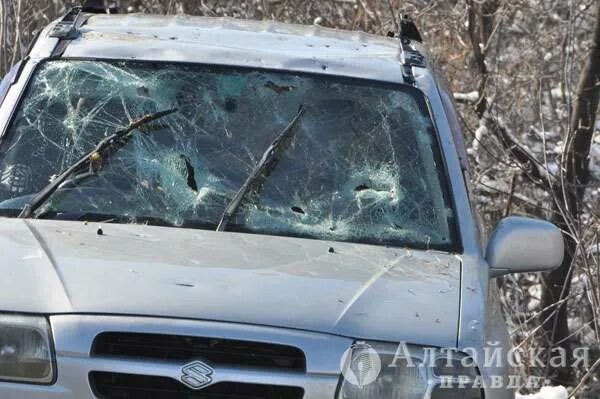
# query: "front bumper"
{"points": [[75, 334]]}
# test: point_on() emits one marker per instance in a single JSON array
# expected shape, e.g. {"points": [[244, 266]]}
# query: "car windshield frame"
{"points": [[455, 242]]}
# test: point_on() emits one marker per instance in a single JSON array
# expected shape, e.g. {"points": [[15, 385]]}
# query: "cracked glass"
{"points": [[363, 165]]}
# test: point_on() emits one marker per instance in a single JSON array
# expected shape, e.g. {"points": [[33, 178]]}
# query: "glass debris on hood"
{"points": [[363, 165]]}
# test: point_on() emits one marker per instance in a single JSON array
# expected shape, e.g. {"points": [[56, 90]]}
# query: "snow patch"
{"points": [[595, 156], [470, 97], [558, 392], [480, 134]]}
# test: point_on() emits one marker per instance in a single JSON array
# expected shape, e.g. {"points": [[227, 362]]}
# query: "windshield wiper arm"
{"points": [[266, 163], [115, 141]]}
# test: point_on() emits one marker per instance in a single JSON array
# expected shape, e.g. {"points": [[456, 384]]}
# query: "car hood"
{"points": [[354, 290]]}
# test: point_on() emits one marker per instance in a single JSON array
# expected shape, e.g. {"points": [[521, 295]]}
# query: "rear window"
{"points": [[363, 166]]}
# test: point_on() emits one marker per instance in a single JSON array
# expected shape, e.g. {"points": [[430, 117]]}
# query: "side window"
{"points": [[9, 79]]}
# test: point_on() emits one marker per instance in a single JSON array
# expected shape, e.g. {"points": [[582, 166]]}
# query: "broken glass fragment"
{"points": [[364, 166]]}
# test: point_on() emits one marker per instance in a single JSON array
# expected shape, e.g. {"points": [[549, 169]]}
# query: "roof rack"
{"points": [[66, 28], [409, 55]]}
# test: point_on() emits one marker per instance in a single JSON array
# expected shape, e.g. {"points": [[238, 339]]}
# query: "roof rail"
{"points": [[66, 28], [409, 55]]}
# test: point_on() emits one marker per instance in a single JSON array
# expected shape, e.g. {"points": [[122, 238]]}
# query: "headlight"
{"points": [[25, 349], [388, 371]]}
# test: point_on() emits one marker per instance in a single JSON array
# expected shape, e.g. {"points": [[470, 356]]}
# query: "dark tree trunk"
{"points": [[570, 191], [569, 196]]}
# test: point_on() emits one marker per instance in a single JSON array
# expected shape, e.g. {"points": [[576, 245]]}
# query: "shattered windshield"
{"points": [[363, 164]]}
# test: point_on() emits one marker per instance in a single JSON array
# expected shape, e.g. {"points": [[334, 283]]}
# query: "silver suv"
{"points": [[217, 208]]}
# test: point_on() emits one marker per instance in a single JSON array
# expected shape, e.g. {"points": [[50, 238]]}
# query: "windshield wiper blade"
{"points": [[262, 169], [115, 141]]}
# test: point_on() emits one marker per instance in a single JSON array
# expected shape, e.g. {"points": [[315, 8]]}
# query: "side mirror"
{"points": [[522, 244]]}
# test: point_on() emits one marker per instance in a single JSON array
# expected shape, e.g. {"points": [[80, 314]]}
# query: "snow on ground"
{"points": [[558, 392], [470, 97], [595, 155]]}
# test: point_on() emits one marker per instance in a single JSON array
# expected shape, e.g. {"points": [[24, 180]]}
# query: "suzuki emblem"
{"points": [[196, 374]]}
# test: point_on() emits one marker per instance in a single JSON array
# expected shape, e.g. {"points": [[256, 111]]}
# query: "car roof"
{"points": [[228, 41]]}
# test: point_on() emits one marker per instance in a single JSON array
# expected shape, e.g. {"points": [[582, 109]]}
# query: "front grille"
{"points": [[187, 348], [131, 386]]}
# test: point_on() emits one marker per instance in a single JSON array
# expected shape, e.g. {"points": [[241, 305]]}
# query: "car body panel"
{"points": [[360, 291], [227, 41]]}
